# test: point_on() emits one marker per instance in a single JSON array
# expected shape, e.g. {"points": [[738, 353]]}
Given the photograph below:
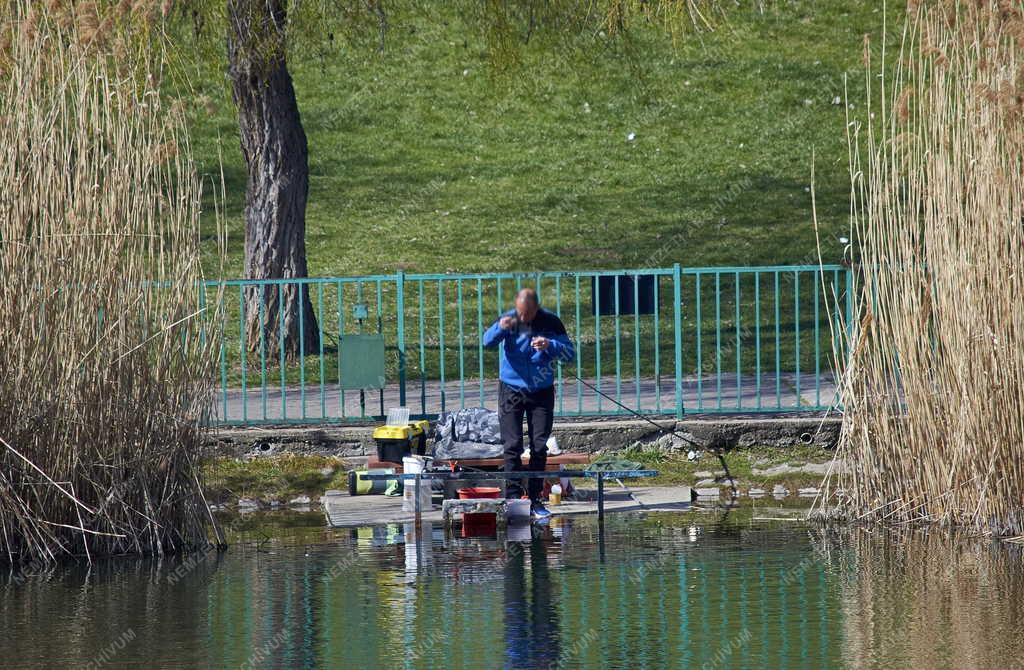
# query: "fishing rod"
{"points": [[514, 322], [671, 431]]}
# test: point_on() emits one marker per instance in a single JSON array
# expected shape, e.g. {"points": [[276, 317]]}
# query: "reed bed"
{"points": [[106, 364], [933, 389]]}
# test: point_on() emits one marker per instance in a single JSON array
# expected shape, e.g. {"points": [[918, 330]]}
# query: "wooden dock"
{"points": [[345, 511]]}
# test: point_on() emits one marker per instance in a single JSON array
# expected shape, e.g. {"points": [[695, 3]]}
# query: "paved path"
{"points": [[711, 394]]}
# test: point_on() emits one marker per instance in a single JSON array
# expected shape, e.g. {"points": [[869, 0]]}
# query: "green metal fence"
{"points": [[665, 341]]}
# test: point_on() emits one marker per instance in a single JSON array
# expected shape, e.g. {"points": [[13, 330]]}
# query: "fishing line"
{"points": [[672, 431]]}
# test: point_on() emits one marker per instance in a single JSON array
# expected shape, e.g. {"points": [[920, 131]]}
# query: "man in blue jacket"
{"points": [[533, 341]]}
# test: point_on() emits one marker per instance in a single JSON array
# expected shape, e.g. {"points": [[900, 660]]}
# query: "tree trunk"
{"points": [[276, 157]]}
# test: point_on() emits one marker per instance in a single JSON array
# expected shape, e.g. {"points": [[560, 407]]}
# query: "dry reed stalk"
{"points": [[934, 390], [106, 362]]}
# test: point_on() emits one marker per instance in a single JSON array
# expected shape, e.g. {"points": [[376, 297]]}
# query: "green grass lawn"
{"points": [[280, 478], [426, 158]]}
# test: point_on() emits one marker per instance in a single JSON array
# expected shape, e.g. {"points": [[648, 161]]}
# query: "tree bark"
{"points": [[276, 157]]}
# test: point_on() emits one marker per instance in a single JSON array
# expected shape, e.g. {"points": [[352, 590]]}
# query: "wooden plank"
{"points": [[344, 511]]}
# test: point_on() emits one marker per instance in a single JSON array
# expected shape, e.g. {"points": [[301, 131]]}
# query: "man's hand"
{"points": [[540, 343], [507, 323]]}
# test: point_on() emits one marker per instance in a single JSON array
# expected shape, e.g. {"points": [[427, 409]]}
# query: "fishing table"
{"points": [[444, 475]]}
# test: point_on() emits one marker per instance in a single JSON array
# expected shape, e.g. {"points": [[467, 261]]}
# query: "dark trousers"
{"points": [[539, 409]]}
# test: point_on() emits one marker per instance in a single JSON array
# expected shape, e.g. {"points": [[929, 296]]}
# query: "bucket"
{"points": [[479, 492], [413, 465], [479, 524], [409, 496]]}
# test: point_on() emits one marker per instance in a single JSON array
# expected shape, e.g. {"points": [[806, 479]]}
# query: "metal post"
{"points": [[281, 349], [677, 315], [718, 340], [462, 345], [320, 333], [302, 348], [400, 325], [440, 337], [341, 339], [419, 510], [796, 331], [263, 352], [380, 331], [600, 515], [223, 353], [241, 352], [849, 310]]}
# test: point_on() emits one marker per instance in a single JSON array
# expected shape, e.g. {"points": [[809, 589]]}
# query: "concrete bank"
{"points": [[575, 436]]}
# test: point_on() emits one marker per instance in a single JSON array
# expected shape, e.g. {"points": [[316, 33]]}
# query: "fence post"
{"points": [[400, 321], [677, 317], [849, 313]]}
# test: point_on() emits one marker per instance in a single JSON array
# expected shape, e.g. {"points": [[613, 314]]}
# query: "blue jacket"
{"points": [[522, 366]]}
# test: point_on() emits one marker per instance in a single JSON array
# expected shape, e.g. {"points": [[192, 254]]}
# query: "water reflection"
{"points": [[917, 599], [531, 614], [673, 591]]}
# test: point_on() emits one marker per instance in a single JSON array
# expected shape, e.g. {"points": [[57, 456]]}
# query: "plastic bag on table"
{"points": [[467, 450], [472, 432]]}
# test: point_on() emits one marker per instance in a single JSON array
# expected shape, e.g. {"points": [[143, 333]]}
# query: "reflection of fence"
{"points": [[665, 341], [730, 594]]}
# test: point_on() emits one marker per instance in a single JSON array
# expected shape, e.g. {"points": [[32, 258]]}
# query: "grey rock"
{"points": [[573, 437], [785, 469], [247, 503], [263, 448], [300, 500]]}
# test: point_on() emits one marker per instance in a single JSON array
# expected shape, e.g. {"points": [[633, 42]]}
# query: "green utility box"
{"points": [[362, 362]]}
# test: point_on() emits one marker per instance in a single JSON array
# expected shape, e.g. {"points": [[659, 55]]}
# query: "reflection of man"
{"points": [[532, 636], [533, 341]]}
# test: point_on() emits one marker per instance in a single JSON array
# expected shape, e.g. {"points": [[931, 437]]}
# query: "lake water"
{"points": [[693, 590]]}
